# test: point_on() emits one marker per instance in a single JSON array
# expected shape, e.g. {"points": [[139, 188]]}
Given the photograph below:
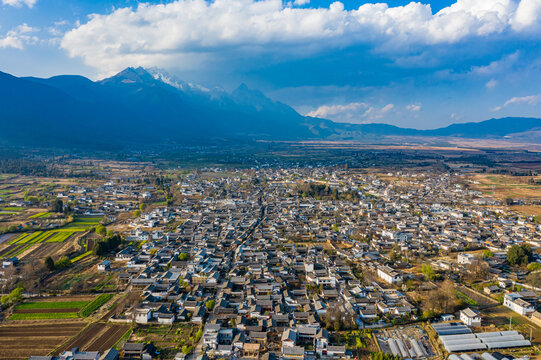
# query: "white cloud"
{"points": [[413, 107], [186, 32], [498, 66], [355, 112], [301, 2], [19, 3], [18, 37], [527, 15], [531, 100], [491, 84]]}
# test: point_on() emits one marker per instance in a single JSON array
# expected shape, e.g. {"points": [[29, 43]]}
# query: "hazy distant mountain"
{"points": [[151, 107]]}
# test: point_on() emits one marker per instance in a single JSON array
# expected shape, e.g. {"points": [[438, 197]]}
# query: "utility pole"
{"points": [[510, 318]]}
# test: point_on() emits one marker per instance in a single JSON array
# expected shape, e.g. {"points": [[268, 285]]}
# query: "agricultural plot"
{"points": [[41, 310], [25, 241], [41, 215], [19, 341], [97, 337], [168, 339]]}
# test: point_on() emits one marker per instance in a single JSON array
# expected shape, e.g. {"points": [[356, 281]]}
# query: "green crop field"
{"points": [[52, 305], [84, 222], [77, 258], [60, 236], [95, 304], [43, 316], [41, 215]]}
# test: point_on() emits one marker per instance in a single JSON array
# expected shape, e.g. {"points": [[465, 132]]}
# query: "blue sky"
{"points": [[422, 65]]}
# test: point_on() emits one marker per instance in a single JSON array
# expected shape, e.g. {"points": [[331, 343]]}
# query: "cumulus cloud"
{"points": [[413, 107], [20, 3], [355, 112], [184, 32], [527, 100], [18, 37]]}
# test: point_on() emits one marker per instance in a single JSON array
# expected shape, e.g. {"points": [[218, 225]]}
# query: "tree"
{"points": [[49, 262], [183, 257], [487, 254], [428, 272], [57, 206], [13, 297], [534, 266], [101, 230], [136, 213], [143, 206], [186, 350], [519, 255], [210, 304], [105, 246]]}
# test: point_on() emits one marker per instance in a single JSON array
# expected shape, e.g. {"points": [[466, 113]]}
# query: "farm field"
{"points": [[72, 308], [168, 339], [42, 243], [97, 337], [508, 186], [18, 341]]}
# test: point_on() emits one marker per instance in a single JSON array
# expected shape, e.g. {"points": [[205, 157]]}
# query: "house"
{"points": [[104, 265], [289, 338], [138, 351], [470, 317], [492, 289], [142, 316], [389, 275], [515, 302], [293, 352], [251, 350], [465, 258]]}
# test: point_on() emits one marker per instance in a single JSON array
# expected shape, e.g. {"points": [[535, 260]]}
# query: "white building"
{"points": [[465, 258], [470, 317], [389, 275], [515, 302]]}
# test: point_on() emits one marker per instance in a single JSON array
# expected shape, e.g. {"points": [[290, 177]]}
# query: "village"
{"points": [[287, 263]]}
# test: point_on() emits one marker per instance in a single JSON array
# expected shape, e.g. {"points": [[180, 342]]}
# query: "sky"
{"points": [[412, 64]]}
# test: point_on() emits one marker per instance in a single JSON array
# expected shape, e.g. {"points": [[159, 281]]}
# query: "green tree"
{"points": [[428, 272], [13, 297], [57, 206], [101, 230], [136, 213], [210, 304], [519, 255], [534, 266], [143, 206], [487, 254]]}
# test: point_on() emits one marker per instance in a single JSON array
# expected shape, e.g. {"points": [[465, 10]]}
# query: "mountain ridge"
{"points": [[141, 106]]}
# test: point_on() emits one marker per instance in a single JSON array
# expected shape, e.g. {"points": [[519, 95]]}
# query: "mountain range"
{"points": [[149, 106]]}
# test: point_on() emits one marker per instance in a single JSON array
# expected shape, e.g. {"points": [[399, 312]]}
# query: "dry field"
{"points": [[18, 341], [97, 337], [508, 186]]}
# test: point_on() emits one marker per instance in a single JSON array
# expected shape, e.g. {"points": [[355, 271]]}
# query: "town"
{"points": [[270, 263]]}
